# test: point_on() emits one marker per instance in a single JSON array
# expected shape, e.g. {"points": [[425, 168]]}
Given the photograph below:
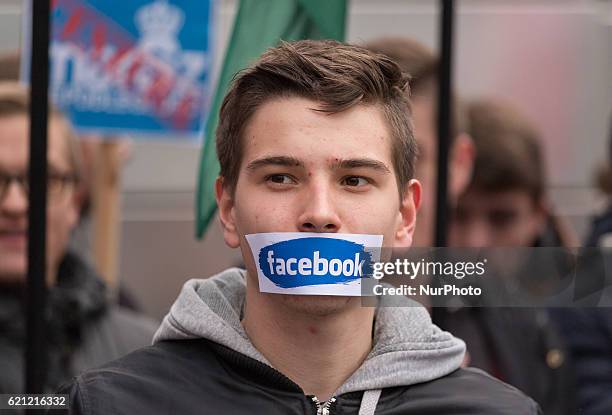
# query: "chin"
{"points": [[13, 263], [318, 305]]}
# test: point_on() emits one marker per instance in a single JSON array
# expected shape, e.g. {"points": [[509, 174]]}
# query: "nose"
{"points": [[478, 235], [14, 201], [319, 212]]}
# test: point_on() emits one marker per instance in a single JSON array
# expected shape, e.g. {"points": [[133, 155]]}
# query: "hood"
{"points": [[408, 348]]}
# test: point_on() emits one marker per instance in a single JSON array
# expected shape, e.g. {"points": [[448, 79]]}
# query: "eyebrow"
{"points": [[289, 161], [275, 161], [362, 162]]}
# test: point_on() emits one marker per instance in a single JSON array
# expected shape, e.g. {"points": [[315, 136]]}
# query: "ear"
{"points": [[225, 202], [461, 164], [408, 211]]}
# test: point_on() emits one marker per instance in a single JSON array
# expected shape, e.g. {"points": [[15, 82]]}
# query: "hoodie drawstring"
{"points": [[369, 402]]}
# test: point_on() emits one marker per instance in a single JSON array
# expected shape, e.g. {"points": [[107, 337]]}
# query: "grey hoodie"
{"points": [[408, 349]]}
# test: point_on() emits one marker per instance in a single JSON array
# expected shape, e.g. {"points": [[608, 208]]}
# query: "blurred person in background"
{"points": [[83, 328], [521, 347], [505, 203], [589, 330], [89, 148]]}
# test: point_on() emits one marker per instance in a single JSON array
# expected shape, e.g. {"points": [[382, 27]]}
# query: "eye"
{"points": [[355, 181], [280, 179]]}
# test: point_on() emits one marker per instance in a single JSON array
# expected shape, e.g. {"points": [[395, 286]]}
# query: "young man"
{"points": [[83, 330], [505, 206], [505, 203], [314, 137]]}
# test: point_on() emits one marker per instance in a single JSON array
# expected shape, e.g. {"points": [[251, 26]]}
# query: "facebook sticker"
{"points": [[313, 263]]}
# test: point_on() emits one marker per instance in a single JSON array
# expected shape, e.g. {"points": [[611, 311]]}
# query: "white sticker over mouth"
{"points": [[304, 263]]}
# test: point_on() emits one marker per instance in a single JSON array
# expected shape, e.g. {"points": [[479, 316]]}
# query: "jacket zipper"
{"points": [[323, 408]]}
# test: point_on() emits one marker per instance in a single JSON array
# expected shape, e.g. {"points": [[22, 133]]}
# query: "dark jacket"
{"points": [[589, 334], [520, 346], [588, 331], [82, 328], [203, 362], [601, 228], [201, 377]]}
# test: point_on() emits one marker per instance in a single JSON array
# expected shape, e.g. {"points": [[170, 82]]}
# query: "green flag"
{"points": [[259, 24]]}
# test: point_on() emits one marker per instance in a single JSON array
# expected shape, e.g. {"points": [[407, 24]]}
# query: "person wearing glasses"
{"points": [[83, 329]]}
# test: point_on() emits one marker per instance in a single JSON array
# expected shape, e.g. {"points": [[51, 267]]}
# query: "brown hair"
{"points": [[336, 75], [9, 66], [508, 154], [422, 65], [15, 100]]}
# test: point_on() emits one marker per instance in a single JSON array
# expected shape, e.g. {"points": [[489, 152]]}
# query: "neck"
{"points": [[318, 351]]}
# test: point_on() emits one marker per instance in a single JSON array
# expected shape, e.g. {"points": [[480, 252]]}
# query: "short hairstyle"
{"points": [[508, 153], [338, 76], [418, 61], [15, 100]]}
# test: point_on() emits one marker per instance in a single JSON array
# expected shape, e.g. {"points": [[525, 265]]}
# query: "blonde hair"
{"points": [[15, 100]]}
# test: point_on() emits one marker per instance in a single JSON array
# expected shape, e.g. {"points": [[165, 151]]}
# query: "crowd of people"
{"points": [[226, 347]]}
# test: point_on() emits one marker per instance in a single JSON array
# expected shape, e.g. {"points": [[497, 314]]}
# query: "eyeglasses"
{"points": [[57, 183]]}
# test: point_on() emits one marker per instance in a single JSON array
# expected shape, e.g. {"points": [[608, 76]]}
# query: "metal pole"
{"points": [[36, 350], [444, 120]]}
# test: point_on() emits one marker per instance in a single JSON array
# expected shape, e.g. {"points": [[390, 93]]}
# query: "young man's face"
{"points": [[61, 208], [502, 219], [308, 171]]}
